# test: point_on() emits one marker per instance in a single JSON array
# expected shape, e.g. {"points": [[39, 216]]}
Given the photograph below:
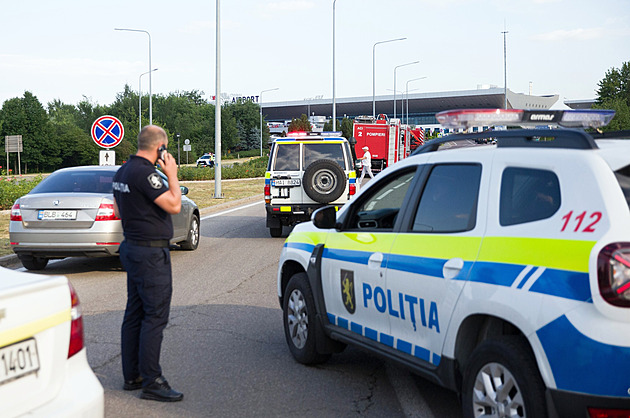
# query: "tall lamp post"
{"points": [[334, 106], [395, 68], [217, 109], [261, 116], [374, 71], [407, 94], [505, 32], [140, 98], [150, 86]]}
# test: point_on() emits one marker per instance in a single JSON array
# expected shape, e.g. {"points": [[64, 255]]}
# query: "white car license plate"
{"points": [[45, 215], [18, 360], [285, 182]]}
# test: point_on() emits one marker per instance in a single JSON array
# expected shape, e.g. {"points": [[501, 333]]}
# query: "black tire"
{"points": [[508, 362], [298, 316], [275, 232], [324, 181], [33, 263], [192, 241]]}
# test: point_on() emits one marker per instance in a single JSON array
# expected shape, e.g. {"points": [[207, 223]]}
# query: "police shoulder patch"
{"points": [[155, 181]]}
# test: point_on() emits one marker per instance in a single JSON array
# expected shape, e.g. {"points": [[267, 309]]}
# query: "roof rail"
{"points": [[519, 138], [625, 134]]}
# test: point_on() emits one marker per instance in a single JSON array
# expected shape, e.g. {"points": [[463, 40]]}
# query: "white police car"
{"points": [[500, 271]]}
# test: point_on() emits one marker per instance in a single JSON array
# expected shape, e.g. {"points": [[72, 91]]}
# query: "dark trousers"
{"points": [[149, 290]]}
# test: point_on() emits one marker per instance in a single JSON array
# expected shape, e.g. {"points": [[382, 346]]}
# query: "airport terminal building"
{"points": [[417, 109]]}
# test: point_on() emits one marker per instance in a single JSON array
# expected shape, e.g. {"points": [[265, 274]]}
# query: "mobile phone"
{"points": [[162, 151]]}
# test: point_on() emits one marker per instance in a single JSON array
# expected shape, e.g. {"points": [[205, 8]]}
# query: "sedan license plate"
{"points": [[285, 182], [18, 360], [46, 215]]}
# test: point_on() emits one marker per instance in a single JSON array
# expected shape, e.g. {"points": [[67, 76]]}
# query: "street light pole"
{"points": [[407, 94], [505, 32], [217, 110], [261, 116], [395, 68], [140, 98], [150, 84], [374, 71], [334, 106]]}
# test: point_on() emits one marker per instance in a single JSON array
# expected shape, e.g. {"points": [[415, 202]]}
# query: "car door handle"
{"points": [[375, 261], [452, 268]]}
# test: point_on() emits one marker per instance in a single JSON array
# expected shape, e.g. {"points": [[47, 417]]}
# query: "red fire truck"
{"points": [[387, 139]]}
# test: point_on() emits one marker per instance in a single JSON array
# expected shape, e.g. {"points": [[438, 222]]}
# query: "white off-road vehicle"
{"points": [[307, 171]]}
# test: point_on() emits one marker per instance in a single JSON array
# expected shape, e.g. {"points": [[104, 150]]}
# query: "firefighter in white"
{"points": [[366, 163]]}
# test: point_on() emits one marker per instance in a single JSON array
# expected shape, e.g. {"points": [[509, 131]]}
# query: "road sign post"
{"points": [[13, 143]]}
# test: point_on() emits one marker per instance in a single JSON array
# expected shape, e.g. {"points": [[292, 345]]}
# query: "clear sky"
{"points": [[67, 49]]}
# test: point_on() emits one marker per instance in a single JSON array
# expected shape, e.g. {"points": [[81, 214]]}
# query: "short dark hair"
{"points": [[151, 136]]}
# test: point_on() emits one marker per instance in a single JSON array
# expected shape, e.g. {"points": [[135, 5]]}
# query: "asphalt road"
{"points": [[224, 347]]}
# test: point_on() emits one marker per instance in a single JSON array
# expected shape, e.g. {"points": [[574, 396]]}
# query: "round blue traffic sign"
{"points": [[107, 131]]}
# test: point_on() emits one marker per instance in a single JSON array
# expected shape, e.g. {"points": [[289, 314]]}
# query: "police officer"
{"points": [[145, 204]]}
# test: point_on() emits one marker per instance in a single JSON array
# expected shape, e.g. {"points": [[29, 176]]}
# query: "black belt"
{"points": [[160, 243]]}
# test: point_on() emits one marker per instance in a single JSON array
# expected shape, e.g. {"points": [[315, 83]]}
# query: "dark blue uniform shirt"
{"points": [[136, 185]]}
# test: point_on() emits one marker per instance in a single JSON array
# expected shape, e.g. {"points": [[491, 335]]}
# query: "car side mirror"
{"points": [[184, 190], [325, 218]]}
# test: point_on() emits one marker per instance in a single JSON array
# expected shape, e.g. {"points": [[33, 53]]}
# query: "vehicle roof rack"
{"points": [[519, 138]]}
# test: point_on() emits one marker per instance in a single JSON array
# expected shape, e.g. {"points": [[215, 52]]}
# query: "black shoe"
{"points": [[134, 384], [160, 390]]}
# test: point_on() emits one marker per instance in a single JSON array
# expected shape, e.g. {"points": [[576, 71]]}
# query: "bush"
{"points": [[249, 169], [245, 154], [12, 188]]}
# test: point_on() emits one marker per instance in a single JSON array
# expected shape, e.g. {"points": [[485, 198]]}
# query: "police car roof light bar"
{"points": [[515, 138], [467, 118]]}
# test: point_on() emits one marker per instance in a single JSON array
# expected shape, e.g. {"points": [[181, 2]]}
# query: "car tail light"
{"points": [[267, 193], [16, 213], [613, 274], [106, 213], [608, 413], [76, 327], [352, 189]]}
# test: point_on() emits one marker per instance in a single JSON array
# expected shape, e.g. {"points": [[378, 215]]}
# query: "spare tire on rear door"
{"points": [[324, 181]]}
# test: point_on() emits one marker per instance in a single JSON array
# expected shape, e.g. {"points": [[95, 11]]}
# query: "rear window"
{"points": [[528, 195], [76, 182], [623, 177], [287, 158], [323, 151]]}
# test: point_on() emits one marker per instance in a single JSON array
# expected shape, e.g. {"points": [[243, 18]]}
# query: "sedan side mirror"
{"points": [[325, 218], [184, 190]]}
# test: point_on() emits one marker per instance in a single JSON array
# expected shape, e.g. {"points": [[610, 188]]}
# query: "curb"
{"points": [[10, 261]]}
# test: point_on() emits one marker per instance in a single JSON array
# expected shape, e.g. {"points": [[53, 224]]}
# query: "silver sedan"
{"points": [[71, 213]]}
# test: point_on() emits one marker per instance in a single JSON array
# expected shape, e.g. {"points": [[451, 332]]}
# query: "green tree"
{"points": [[614, 93], [27, 117], [347, 128], [300, 125]]}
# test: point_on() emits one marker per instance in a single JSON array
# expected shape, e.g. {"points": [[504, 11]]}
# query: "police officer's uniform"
{"points": [[145, 256]]}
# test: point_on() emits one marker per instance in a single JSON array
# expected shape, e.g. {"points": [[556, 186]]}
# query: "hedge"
{"points": [[11, 188], [249, 169]]}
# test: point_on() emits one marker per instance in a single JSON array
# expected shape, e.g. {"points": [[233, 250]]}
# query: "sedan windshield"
{"points": [[89, 181]]}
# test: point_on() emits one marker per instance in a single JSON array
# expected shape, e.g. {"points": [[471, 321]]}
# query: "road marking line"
{"points": [[225, 212]]}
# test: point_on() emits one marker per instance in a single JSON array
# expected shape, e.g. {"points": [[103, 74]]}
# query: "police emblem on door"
{"points": [[347, 290]]}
